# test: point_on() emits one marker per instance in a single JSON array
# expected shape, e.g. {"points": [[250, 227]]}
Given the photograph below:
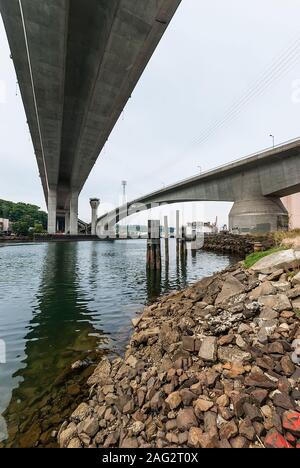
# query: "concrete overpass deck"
{"points": [[77, 63], [255, 184]]}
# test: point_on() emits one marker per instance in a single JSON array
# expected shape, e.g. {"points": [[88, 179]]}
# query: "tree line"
{"points": [[25, 218]]}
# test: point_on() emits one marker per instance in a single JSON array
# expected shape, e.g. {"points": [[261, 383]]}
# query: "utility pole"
{"points": [[124, 185], [123, 228]]}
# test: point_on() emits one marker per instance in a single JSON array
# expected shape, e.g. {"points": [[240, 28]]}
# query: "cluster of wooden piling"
{"points": [[154, 242]]}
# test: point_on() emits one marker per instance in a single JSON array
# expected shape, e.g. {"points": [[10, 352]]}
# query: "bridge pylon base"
{"points": [[258, 214]]}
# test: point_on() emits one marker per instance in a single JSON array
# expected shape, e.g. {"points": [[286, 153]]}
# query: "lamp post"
{"points": [[273, 139]]}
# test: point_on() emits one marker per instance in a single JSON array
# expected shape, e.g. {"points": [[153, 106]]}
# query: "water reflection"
{"points": [[153, 284], [60, 329]]}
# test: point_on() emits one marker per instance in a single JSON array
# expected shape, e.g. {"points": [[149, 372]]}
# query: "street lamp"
{"points": [[273, 139]]}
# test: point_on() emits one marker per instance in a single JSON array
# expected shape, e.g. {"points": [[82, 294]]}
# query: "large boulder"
{"points": [[264, 289], [101, 373], [208, 349], [232, 287], [279, 302], [285, 259], [233, 354]]}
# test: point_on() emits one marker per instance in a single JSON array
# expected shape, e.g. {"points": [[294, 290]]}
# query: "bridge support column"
{"points": [[74, 214], [67, 222], [52, 208], [94, 202], [258, 214]]}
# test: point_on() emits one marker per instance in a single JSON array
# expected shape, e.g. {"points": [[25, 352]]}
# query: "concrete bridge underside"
{"points": [[77, 63], [255, 184]]}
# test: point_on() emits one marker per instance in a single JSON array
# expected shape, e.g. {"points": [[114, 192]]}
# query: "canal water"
{"points": [[60, 302]]}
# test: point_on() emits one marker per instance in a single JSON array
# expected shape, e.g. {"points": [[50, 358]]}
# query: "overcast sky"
{"points": [[210, 56]]}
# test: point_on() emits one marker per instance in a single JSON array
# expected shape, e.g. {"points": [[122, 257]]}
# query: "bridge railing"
{"points": [[256, 153], [223, 166]]}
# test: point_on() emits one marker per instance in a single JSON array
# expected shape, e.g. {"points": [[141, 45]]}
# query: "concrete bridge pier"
{"points": [[260, 214], [67, 222], [52, 211], [74, 214], [62, 219]]}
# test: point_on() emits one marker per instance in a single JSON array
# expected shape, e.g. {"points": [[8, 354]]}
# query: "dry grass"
{"points": [[286, 237]]}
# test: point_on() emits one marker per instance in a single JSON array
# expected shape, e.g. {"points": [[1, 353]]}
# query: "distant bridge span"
{"points": [[255, 184]]}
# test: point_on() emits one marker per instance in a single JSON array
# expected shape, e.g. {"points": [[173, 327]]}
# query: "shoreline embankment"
{"points": [[213, 366]]}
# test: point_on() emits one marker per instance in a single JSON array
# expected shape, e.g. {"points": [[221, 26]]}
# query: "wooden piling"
{"points": [[177, 234], [183, 247], [166, 236], [153, 245]]}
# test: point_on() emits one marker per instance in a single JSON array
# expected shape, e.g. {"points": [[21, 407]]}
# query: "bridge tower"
{"points": [[94, 202]]}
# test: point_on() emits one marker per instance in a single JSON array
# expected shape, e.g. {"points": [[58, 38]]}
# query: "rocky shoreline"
{"points": [[214, 366], [236, 244]]}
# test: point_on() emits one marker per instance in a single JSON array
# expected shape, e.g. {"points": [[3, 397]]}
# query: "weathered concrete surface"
{"points": [[77, 63], [260, 213]]}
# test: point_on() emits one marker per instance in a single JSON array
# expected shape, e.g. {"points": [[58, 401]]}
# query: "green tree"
{"points": [[23, 216], [21, 228], [38, 229]]}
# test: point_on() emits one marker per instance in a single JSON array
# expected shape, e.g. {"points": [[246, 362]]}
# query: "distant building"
{"points": [[292, 204], [132, 231], [140, 231], [4, 225], [206, 228]]}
